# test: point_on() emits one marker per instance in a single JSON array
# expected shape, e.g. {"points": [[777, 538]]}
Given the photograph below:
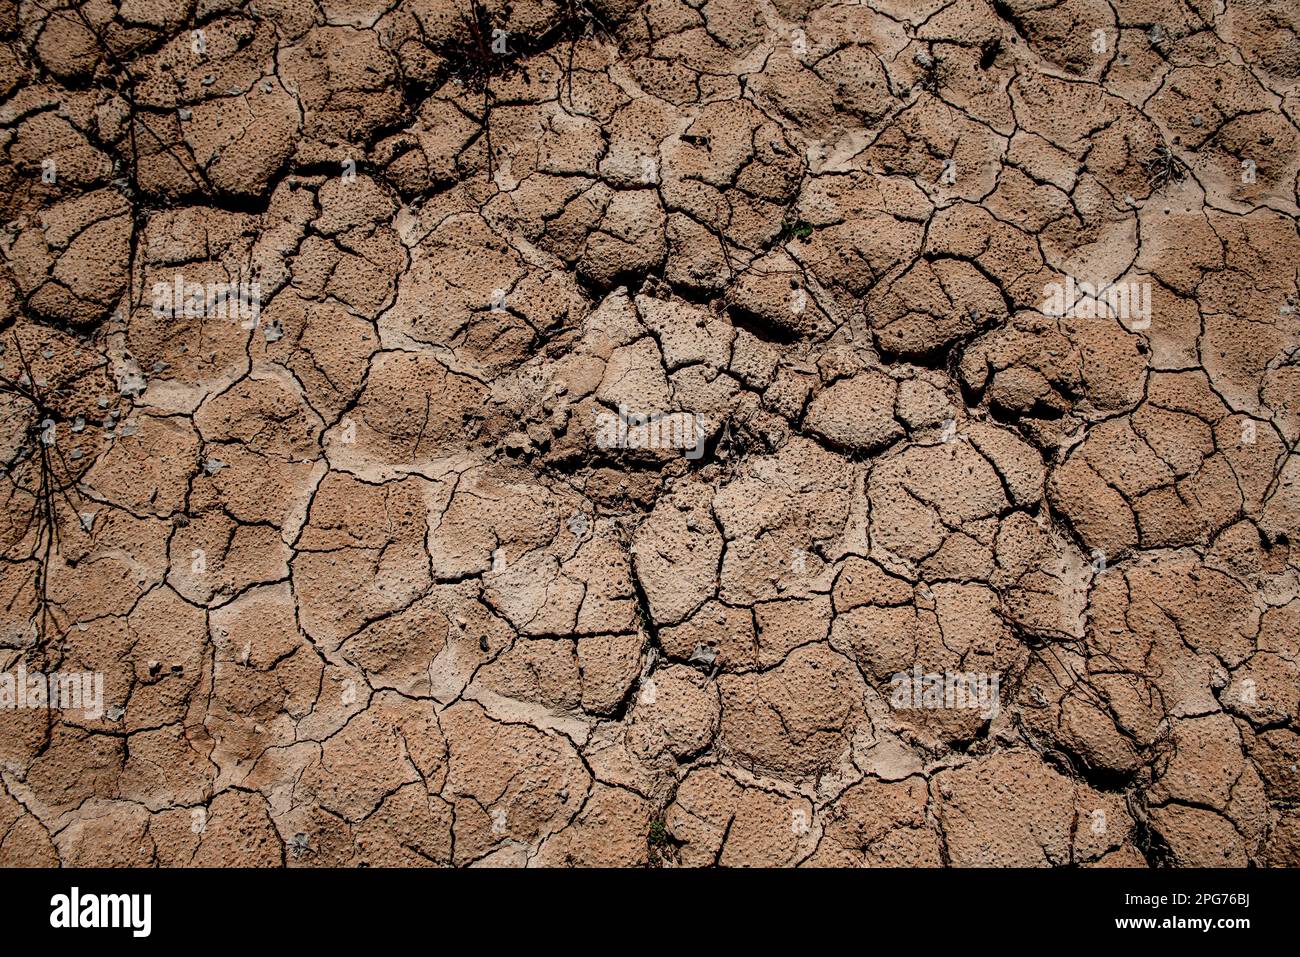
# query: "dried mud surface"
{"points": [[364, 584]]}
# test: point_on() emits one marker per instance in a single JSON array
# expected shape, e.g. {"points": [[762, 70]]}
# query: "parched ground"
{"points": [[364, 582]]}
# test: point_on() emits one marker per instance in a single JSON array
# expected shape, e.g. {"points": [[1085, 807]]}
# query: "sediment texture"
{"points": [[365, 584]]}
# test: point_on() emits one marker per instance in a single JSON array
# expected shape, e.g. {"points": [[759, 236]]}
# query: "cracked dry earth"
{"points": [[364, 584]]}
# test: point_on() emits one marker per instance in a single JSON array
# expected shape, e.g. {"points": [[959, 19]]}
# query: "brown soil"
{"points": [[365, 577]]}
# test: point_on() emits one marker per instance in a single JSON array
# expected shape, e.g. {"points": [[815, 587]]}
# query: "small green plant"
{"points": [[662, 845], [798, 229]]}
